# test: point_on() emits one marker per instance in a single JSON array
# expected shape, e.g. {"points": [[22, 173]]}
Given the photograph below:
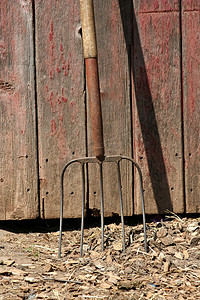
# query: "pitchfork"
{"points": [[92, 75]]}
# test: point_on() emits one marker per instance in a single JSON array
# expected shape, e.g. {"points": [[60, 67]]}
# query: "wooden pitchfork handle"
{"points": [[92, 75]]}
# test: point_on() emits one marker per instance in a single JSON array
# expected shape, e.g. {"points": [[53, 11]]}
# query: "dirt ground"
{"points": [[30, 268]]}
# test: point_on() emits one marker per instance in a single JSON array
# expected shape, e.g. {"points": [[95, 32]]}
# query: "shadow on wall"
{"points": [[145, 108]]}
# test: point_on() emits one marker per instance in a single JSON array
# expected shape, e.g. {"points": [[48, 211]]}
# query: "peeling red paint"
{"points": [[53, 127], [51, 33], [64, 99], [58, 70]]}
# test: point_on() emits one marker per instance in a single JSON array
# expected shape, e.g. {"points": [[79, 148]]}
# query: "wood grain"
{"points": [[191, 92], [113, 49], [157, 120], [18, 161], [61, 107]]}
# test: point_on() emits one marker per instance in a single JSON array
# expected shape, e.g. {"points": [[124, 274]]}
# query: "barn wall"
{"points": [[157, 104], [18, 148]]}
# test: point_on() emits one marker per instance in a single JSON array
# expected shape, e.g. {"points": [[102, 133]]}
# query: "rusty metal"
{"points": [[95, 105], [92, 75]]}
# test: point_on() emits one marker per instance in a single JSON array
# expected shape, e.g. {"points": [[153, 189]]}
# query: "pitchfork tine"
{"points": [[83, 208], [121, 204], [102, 207]]}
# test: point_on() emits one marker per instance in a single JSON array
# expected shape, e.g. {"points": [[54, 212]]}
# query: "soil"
{"points": [[30, 267]]}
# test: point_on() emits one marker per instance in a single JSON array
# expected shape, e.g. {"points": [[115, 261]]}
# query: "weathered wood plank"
{"points": [[18, 162], [157, 105], [191, 92], [115, 96], [61, 107]]}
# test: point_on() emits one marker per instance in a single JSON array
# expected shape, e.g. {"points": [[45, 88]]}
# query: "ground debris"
{"points": [[30, 268]]}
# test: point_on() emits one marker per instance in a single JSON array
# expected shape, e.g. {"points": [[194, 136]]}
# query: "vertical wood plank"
{"points": [[115, 97], [157, 105], [191, 92], [61, 107], [18, 162]]}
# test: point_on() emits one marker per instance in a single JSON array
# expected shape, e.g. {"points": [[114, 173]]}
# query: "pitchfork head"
{"points": [[100, 161]]}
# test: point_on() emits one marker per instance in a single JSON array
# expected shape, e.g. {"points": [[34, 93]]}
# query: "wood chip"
{"points": [[9, 262], [109, 259], [5, 271], [195, 241], [178, 255], [31, 279], [47, 268], [170, 268], [166, 266], [117, 246], [94, 254], [185, 254], [168, 240], [112, 280], [162, 232], [105, 285]]}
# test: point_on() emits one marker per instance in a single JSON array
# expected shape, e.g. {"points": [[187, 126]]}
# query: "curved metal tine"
{"points": [[142, 196], [61, 213], [121, 204], [143, 212], [143, 207], [61, 206], [83, 208], [102, 207]]}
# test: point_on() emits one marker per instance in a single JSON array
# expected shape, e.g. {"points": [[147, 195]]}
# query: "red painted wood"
{"points": [[61, 107], [190, 5], [113, 48], [18, 173], [191, 92], [157, 105], [150, 7]]}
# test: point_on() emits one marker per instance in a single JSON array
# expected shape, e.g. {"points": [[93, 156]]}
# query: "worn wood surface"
{"points": [[157, 120], [191, 92], [115, 98], [18, 173], [61, 107]]}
